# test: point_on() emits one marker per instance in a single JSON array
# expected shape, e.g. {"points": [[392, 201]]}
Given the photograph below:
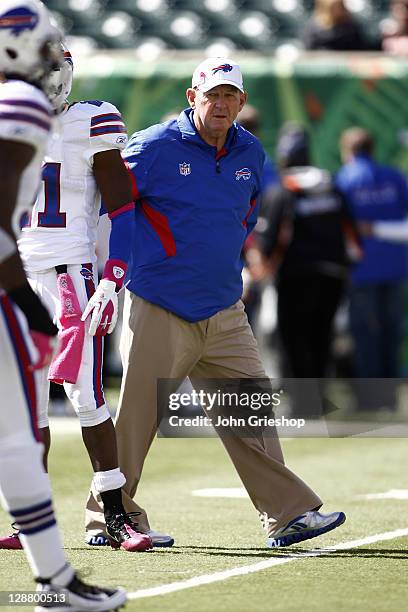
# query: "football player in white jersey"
{"points": [[29, 50], [83, 163]]}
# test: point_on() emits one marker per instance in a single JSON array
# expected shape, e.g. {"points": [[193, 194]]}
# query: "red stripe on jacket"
{"points": [[160, 224], [252, 205], [135, 190]]}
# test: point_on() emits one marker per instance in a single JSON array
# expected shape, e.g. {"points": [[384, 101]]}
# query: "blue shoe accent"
{"points": [[164, 542], [159, 540], [306, 534], [96, 540], [296, 522]]}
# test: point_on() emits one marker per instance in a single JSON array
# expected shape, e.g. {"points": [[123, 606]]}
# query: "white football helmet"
{"points": [[59, 82], [30, 43]]}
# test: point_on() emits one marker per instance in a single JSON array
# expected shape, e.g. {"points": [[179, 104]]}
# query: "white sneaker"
{"points": [[306, 526]]}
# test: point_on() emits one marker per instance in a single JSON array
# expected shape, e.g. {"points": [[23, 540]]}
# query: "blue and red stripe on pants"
{"points": [[97, 345], [23, 360]]}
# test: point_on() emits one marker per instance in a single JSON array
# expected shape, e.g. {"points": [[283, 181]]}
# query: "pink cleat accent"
{"points": [[11, 542], [122, 533], [137, 541]]}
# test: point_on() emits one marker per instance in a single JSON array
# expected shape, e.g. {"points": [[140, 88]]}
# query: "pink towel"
{"points": [[65, 365]]}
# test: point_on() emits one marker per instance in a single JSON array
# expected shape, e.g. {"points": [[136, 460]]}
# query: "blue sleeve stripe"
{"points": [[107, 117], [27, 104], [121, 235], [108, 129], [45, 125]]}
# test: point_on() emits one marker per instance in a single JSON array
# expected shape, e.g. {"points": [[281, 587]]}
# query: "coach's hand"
{"points": [[104, 308]]}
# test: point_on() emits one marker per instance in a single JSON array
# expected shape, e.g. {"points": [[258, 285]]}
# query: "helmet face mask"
{"points": [[30, 43], [59, 82], [50, 53]]}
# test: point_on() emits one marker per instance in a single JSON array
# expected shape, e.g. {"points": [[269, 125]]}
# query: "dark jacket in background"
{"points": [[306, 243], [307, 225]]}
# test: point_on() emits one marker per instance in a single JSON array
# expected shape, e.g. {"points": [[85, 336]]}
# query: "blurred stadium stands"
{"points": [[218, 26]]}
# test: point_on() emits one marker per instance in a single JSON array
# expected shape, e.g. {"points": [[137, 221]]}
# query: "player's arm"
{"points": [[351, 231], [14, 158], [281, 205], [113, 182]]}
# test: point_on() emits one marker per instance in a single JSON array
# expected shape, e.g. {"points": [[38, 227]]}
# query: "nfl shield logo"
{"points": [[184, 169]]}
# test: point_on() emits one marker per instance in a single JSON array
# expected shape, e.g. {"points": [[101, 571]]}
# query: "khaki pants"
{"points": [[157, 344]]}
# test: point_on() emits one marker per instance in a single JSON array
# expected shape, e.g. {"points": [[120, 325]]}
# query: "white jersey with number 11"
{"points": [[63, 224]]}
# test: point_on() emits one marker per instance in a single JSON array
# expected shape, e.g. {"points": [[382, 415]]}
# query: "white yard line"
{"points": [[257, 567]]}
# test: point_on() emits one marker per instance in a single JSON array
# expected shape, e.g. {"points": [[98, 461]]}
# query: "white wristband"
{"points": [[7, 245]]}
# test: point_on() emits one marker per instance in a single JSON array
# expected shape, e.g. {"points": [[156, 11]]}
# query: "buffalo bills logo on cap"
{"points": [[244, 173], [223, 67], [18, 20]]}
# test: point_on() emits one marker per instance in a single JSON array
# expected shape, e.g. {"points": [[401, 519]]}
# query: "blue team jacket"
{"points": [[376, 193], [194, 211]]}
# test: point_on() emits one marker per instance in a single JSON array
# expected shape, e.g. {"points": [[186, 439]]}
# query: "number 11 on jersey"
{"points": [[52, 216]]}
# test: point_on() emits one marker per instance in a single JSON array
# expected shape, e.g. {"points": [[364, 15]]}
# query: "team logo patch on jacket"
{"points": [[244, 173], [185, 169]]}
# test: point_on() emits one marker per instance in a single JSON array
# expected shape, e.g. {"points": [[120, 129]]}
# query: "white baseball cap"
{"points": [[217, 71]]}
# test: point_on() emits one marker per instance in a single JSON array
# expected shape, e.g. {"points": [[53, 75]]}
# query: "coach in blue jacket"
{"points": [[196, 181]]}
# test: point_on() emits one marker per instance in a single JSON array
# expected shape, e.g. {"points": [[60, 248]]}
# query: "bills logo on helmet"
{"points": [[244, 173], [223, 67], [185, 169], [18, 20], [68, 58], [86, 273]]}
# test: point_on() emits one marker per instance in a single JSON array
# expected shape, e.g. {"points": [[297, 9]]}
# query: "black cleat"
{"points": [[77, 597]]}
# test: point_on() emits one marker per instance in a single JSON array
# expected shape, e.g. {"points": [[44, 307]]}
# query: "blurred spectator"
{"points": [[249, 118], [305, 243], [375, 193], [392, 231], [394, 29], [332, 27]]}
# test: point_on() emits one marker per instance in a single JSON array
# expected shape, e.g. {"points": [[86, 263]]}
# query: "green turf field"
{"points": [[217, 534]]}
